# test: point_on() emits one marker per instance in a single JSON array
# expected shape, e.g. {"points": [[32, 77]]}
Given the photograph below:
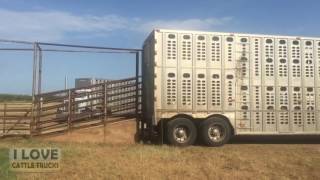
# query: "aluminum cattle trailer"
{"points": [[212, 85]]}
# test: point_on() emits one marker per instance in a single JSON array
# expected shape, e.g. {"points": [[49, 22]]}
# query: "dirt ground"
{"points": [[115, 133], [123, 133], [88, 155]]}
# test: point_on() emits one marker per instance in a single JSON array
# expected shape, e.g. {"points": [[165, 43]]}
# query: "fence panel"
{"points": [[15, 119], [84, 107]]}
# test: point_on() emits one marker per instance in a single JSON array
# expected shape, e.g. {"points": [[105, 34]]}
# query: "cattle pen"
{"points": [[67, 109]]}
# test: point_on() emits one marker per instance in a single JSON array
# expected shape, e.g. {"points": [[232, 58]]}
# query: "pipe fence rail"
{"points": [[15, 118], [64, 110], [69, 109]]}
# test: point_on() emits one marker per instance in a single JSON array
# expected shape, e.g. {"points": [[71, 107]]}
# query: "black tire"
{"points": [[215, 132], [181, 132]]}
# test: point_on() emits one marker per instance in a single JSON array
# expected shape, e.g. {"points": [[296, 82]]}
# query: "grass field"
{"points": [[87, 155], [15, 97]]}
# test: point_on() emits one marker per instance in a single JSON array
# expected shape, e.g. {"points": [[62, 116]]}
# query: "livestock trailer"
{"points": [[212, 85]]}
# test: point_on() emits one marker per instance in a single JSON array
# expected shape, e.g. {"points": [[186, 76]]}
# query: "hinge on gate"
{"points": [[155, 87], [155, 53], [155, 41]]}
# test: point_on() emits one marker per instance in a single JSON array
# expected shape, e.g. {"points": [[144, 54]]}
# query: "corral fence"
{"points": [[75, 108], [69, 109], [15, 118]]}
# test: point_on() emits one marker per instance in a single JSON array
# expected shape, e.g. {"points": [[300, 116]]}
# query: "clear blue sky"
{"points": [[126, 24]]}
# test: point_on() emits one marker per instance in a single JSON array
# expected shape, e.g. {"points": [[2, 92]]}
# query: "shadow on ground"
{"points": [[276, 139]]}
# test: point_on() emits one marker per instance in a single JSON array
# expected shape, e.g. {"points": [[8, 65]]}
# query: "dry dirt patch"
{"points": [[114, 133]]}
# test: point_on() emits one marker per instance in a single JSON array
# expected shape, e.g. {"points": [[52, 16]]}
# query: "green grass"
{"points": [[15, 97], [5, 173]]}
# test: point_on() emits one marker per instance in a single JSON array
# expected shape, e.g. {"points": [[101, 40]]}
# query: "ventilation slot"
{"points": [[270, 98], [171, 89], [216, 90], [297, 98], [308, 58], [256, 57], [186, 89], [186, 48], [295, 56], [244, 102], [310, 118], [269, 69], [257, 118], [229, 48], [284, 118], [309, 68], [201, 48], [201, 90], [257, 97], [244, 57], [244, 70], [171, 47], [297, 118], [283, 51], [269, 55], [215, 49], [230, 89], [270, 118], [310, 99], [283, 99]]}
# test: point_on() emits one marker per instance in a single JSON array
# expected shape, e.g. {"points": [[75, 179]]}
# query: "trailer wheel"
{"points": [[215, 132], [181, 132]]}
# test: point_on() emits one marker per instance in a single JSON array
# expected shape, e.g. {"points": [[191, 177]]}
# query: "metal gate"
{"points": [[15, 119], [64, 110]]}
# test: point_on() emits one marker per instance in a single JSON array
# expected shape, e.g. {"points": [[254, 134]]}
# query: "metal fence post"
{"points": [[69, 110], [4, 118], [39, 51], [34, 84], [38, 77], [91, 102], [38, 100], [105, 106], [137, 95]]}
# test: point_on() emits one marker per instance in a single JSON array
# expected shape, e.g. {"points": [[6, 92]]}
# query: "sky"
{"points": [[118, 23]]}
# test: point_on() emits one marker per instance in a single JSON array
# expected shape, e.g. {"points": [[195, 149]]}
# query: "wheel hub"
{"points": [[215, 133], [180, 134]]}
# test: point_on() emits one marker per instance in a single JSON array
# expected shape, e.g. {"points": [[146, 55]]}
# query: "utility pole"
{"points": [[65, 82]]}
